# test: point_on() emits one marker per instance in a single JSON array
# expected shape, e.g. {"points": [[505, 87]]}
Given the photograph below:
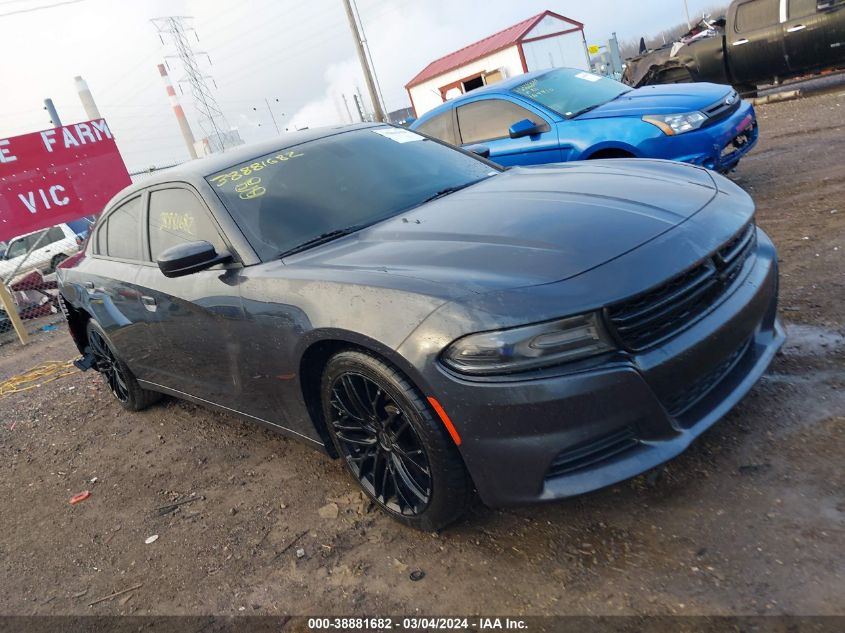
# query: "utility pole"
{"points": [[211, 119], [51, 110], [270, 110], [365, 65], [346, 105], [358, 105], [686, 8]]}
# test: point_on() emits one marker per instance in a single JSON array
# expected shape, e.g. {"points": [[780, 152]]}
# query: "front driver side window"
{"points": [[491, 119], [177, 216]]}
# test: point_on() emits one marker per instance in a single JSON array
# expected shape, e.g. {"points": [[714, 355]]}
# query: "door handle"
{"points": [[740, 42], [797, 27], [149, 303]]}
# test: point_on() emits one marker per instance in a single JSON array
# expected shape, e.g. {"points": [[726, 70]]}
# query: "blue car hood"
{"points": [[662, 99]]}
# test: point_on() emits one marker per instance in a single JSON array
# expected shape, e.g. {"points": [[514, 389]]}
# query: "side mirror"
{"points": [[190, 257], [480, 150], [527, 127]]}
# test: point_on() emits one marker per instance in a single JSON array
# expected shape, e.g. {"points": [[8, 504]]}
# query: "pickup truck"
{"points": [[757, 42]]}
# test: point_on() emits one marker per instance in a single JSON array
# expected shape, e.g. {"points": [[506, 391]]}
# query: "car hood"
{"points": [[526, 226], [661, 99]]}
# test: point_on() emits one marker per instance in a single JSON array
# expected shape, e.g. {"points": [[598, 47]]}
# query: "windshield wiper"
{"points": [[593, 107], [448, 190], [584, 110], [321, 239]]}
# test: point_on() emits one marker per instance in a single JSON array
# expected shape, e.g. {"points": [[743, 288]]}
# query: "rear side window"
{"points": [[756, 14], [177, 216], [100, 244], [123, 231], [490, 119], [441, 127]]}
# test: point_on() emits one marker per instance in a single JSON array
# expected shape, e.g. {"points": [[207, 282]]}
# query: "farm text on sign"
{"points": [[56, 175]]}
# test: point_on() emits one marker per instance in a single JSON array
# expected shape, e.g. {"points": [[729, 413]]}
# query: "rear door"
{"points": [[109, 283], [755, 42], [53, 246], [192, 320], [815, 34], [487, 121]]}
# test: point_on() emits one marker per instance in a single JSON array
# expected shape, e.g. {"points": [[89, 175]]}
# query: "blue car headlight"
{"points": [[672, 124], [528, 347]]}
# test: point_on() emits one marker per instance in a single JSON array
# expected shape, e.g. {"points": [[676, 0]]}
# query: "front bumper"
{"points": [[718, 146], [560, 435]]}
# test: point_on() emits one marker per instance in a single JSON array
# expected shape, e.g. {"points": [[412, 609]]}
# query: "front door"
{"points": [[192, 320], [488, 121], [113, 295]]}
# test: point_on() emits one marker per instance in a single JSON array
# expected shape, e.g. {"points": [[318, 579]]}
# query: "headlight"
{"points": [[672, 124], [517, 349]]}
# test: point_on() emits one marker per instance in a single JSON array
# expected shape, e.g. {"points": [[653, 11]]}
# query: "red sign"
{"points": [[57, 175]]}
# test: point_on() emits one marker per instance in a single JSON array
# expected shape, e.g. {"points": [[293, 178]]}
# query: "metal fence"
{"points": [[28, 285]]}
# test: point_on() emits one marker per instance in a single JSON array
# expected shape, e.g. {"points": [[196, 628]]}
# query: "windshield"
{"points": [[571, 92], [353, 179]]}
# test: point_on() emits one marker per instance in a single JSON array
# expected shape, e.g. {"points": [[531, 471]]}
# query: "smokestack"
{"points": [[178, 111], [87, 100]]}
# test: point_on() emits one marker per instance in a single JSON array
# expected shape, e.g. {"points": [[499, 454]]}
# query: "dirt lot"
{"points": [[748, 521]]}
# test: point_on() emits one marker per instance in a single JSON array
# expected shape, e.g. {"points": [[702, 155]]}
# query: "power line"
{"points": [[211, 119], [41, 8]]}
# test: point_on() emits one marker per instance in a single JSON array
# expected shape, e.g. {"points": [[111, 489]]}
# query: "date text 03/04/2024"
{"points": [[416, 623]]}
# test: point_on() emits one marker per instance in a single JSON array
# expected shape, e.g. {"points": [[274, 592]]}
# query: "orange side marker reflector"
{"points": [[446, 421]]}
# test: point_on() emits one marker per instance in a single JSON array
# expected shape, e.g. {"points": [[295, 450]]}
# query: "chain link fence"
{"points": [[28, 285]]}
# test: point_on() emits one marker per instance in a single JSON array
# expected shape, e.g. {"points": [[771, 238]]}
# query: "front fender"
{"points": [[627, 134]]}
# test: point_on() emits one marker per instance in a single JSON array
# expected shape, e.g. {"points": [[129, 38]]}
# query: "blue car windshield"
{"points": [[571, 92]]}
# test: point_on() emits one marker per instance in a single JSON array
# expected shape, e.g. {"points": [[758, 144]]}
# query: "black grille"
{"points": [[722, 109], [662, 312], [63, 306], [593, 452], [683, 400]]}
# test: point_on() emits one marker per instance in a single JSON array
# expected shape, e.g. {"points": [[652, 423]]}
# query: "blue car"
{"points": [[567, 114]]}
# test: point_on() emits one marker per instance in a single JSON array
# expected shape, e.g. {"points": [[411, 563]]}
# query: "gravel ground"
{"points": [[748, 521]]}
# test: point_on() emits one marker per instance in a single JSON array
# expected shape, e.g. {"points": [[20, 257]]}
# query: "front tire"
{"points": [[119, 378], [391, 442]]}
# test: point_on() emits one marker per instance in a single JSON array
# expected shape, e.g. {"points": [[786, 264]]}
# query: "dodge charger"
{"points": [[444, 326]]}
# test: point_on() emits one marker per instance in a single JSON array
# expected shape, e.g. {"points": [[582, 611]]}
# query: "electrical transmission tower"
{"points": [[210, 116]]}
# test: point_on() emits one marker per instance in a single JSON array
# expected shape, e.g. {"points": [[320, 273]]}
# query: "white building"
{"points": [[546, 40]]}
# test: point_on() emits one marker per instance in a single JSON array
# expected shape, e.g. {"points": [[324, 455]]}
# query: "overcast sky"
{"points": [[298, 54]]}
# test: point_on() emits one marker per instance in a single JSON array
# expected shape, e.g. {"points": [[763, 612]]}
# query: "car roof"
{"points": [[208, 165], [46, 228], [499, 87]]}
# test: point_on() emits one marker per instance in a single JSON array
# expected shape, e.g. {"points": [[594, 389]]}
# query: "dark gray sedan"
{"points": [[439, 323]]}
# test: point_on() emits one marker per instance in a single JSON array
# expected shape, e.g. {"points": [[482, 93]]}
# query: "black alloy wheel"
{"points": [[392, 442], [111, 369], [378, 442]]}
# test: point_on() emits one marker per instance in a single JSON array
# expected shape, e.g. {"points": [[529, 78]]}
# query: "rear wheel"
{"points": [[677, 75], [120, 379], [54, 263], [391, 442]]}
